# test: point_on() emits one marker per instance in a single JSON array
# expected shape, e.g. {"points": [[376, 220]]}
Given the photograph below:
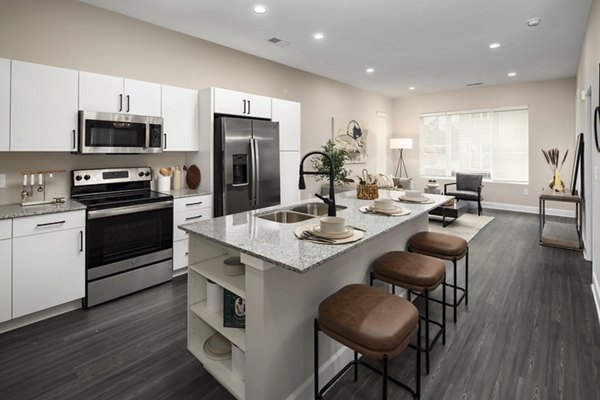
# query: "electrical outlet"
{"points": [[526, 192], [2, 181]]}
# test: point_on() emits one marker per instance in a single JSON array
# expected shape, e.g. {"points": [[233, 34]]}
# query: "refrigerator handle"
{"points": [[254, 174], [257, 173]]}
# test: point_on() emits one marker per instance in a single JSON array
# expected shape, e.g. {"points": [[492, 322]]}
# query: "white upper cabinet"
{"points": [[142, 98], [106, 93], [237, 103], [288, 114], [4, 104], [180, 118], [43, 108]]}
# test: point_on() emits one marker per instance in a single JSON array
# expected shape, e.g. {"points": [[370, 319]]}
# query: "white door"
{"points": [[289, 162], [288, 114], [180, 118], [5, 280], [102, 93], [48, 270], [43, 108], [142, 98], [231, 102], [4, 104]]}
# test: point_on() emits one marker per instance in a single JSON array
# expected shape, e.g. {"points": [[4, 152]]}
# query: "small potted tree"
{"points": [[341, 174]]}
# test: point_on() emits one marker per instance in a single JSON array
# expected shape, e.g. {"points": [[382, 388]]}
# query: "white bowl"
{"points": [[333, 225]]}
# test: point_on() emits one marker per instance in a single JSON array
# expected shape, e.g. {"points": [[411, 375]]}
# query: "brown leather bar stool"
{"points": [[373, 323], [445, 247], [418, 273]]}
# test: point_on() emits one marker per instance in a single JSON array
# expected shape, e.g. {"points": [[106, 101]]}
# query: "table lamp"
{"points": [[401, 144]]}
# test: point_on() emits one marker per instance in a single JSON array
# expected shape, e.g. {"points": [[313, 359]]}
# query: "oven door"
{"points": [[124, 238]]}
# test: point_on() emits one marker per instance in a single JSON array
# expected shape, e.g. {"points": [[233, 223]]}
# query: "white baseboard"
{"points": [[39, 316], [527, 209], [596, 294]]}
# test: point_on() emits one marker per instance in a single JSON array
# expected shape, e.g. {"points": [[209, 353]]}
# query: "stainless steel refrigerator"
{"points": [[246, 165]]}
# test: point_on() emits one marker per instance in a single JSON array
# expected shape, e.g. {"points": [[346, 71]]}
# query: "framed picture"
{"points": [[234, 310], [351, 135]]}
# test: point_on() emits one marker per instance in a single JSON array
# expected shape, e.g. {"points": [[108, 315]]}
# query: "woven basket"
{"points": [[367, 192]]}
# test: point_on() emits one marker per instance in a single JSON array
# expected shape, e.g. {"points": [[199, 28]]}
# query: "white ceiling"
{"points": [[433, 45]]}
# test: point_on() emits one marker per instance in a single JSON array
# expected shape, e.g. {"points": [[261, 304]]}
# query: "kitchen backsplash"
{"points": [[11, 164]]}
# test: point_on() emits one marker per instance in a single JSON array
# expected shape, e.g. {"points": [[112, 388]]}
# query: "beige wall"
{"points": [[587, 76], [74, 35], [551, 124]]}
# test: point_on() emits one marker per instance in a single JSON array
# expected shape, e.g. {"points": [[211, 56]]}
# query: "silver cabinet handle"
{"points": [[81, 241], [50, 224], [127, 103], [194, 204], [121, 102], [194, 217]]}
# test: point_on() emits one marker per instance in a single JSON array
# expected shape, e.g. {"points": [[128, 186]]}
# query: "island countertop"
{"points": [[276, 243]]}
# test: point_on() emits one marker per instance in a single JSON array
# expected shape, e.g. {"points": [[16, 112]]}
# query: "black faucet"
{"points": [[302, 185]]}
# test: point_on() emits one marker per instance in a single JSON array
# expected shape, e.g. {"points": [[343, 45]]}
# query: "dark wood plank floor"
{"points": [[530, 332]]}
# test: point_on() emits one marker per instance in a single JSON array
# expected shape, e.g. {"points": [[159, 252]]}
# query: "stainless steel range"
{"points": [[129, 231]]}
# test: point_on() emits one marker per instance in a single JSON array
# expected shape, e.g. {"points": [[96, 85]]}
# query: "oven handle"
{"points": [[112, 212]]}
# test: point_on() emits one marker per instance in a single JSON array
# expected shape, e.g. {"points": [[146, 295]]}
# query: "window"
{"points": [[492, 142]]}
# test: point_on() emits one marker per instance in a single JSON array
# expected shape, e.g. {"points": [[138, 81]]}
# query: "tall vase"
{"points": [[557, 183]]}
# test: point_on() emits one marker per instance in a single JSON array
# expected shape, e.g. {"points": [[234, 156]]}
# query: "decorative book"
{"points": [[234, 310]]}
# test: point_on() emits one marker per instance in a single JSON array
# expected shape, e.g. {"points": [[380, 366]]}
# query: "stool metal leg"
{"points": [[467, 277], [355, 366], [427, 332], [385, 377], [418, 385], [444, 310], [455, 287], [316, 355]]}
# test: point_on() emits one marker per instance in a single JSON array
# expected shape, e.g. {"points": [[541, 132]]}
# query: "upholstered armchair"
{"points": [[468, 187]]}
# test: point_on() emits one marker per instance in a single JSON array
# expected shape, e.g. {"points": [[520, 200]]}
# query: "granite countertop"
{"points": [[18, 211], [186, 192], [276, 243]]}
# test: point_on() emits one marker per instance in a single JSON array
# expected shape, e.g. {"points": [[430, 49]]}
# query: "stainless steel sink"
{"points": [[317, 209], [286, 217]]}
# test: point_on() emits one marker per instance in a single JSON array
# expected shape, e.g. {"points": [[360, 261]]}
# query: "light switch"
{"points": [[2, 181]]}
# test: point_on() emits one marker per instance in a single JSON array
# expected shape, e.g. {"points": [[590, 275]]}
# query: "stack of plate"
{"points": [[346, 233], [394, 209]]}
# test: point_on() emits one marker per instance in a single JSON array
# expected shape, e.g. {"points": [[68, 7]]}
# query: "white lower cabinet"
{"points": [[186, 210], [48, 267], [5, 270]]}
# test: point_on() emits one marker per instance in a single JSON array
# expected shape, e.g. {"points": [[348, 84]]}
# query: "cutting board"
{"points": [[192, 176]]}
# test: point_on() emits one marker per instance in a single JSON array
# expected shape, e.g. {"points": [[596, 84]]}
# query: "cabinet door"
{"points": [[288, 167], [142, 98], [43, 108], [102, 93], [46, 274], [180, 115], [4, 104], [287, 113], [237, 103], [5, 280]]}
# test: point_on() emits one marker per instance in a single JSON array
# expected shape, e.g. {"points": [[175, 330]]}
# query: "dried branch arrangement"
{"points": [[552, 158]]}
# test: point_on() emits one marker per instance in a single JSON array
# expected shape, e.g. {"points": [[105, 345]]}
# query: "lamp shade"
{"points": [[401, 143]]}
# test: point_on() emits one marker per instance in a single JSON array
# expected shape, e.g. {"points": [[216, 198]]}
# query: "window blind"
{"points": [[491, 142]]}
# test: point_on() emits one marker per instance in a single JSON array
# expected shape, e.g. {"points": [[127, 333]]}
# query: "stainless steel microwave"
{"points": [[101, 132]]}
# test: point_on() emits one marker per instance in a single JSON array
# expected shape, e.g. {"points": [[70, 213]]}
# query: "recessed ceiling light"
{"points": [[512, 74], [411, 88], [534, 22], [370, 70], [494, 45], [318, 36], [260, 9]]}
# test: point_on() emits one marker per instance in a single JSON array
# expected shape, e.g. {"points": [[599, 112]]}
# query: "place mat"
{"points": [[405, 200], [355, 237], [371, 210]]}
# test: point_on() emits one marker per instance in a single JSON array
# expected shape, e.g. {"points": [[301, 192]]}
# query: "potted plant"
{"points": [[339, 157]]}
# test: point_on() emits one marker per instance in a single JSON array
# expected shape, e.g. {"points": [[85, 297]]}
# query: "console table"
{"points": [[566, 235]]}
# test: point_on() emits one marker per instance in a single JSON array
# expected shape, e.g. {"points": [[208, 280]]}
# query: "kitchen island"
{"points": [[285, 280]]}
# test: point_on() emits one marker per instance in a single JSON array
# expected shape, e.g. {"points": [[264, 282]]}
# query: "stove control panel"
{"points": [[111, 175]]}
